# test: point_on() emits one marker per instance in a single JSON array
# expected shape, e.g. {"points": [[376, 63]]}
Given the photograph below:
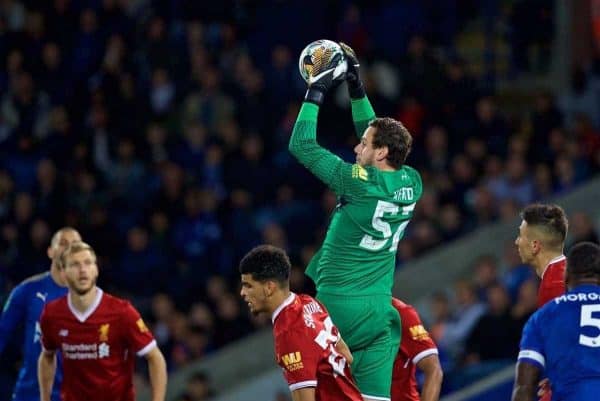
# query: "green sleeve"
{"points": [[362, 115], [338, 175]]}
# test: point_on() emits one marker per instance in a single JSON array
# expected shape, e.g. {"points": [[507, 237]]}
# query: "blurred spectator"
{"points": [[581, 228], [466, 314], [581, 98], [198, 387], [515, 272], [496, 327], [485, 271]]}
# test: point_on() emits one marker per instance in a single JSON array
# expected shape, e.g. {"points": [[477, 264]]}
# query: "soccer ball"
{"points": [[321, 55]]}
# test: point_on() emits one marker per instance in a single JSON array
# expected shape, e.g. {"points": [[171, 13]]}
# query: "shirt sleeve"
{"points": [[532, 346], [343, 178], [362, 115], [298, 355], [47, 340], [416, 341], [138, 335], [13, 314]]}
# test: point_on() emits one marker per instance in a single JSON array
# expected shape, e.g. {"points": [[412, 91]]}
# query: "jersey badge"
{"points": [[103, 331]]}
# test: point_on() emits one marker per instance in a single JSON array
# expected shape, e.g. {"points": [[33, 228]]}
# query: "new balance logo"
{"points": [[63, 333], [41, 296]]}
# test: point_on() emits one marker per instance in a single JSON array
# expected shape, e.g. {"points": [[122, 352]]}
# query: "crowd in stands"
{"points": [[159, 130]]}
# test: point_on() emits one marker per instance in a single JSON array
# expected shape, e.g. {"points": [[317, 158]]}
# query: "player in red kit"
{"points": [[98, 336], [308, 347], [417, 350], [541, 241]]}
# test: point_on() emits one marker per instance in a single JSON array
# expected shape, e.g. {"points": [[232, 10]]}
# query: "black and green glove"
{"points": [[355, 85]]}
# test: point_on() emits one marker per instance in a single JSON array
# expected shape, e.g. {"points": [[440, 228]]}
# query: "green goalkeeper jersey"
{"points": [[359, 251]]}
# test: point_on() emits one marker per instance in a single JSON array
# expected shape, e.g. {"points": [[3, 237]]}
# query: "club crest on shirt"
{"points": [[141, 325], [292, 361], [103, 331]]}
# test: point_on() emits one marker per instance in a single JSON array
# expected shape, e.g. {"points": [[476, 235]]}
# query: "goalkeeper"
{"points": [[354, 269]]}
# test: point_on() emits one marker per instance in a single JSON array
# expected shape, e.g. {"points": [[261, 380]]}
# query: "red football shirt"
{"points": [[552, 286], [415, 345], [98, 347], [305, 339], [553, 280]]}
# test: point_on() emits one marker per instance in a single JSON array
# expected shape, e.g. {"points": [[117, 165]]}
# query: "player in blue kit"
{"points": [[562, 339], [23, 309]]}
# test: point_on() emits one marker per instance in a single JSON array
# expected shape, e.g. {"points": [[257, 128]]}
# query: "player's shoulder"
{"points": [[546, 311], [363, 174], [411, 178], [402, 307], [35, 280], [114, 303], [57, 305], [296, 316], [555, 271], [408, 313]]}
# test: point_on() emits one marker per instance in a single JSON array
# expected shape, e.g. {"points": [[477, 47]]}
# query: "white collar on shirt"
{"points": [[82, 317], [285, 303], [553, 261]]}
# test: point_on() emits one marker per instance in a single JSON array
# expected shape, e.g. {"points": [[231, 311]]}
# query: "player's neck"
{"points": [[83, 302], [543, 259], [383, 166], [278, 300]]}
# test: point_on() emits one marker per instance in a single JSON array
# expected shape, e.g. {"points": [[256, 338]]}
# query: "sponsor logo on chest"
{"points": [[87, 351]]}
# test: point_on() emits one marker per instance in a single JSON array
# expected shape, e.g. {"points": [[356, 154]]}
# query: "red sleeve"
{"points": [[299, 357], [416, 342], [48, 342], [139, 337]]}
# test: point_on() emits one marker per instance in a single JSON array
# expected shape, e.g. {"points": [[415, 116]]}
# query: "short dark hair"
{"points": [[394, 135], [583, 260], [267, 262], [551, 219]]}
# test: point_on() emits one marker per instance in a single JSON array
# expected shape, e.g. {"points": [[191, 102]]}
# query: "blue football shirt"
{"points": [[23, 308], [563, 339]]}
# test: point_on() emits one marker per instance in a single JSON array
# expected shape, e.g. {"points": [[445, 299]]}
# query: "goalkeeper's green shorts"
{"points": [[371, 327]]}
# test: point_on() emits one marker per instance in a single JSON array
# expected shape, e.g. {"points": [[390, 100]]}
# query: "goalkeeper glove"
{"points": [[355, 86], [322, 79]]}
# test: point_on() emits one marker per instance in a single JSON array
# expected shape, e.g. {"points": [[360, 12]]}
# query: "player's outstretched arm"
{"points": [[157, 369], [431, 367], [46, 371], [526, 380], [13, 314], [304, 394], [362, 111], [303, 142]]}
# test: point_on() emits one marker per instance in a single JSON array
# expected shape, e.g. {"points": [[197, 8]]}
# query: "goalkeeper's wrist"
{"points": [[315, 96], [356, 89]]}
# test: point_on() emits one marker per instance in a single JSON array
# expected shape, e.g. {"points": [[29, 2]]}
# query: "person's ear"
{"points": [[382, 153]]}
